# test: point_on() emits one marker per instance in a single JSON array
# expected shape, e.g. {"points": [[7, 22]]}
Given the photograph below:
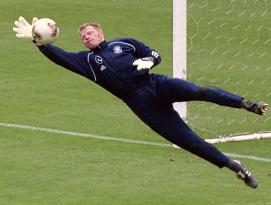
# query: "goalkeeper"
{"points": [[122, 66]]}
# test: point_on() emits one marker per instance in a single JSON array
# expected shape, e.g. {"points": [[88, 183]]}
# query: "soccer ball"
{"points": [[45, 31]]}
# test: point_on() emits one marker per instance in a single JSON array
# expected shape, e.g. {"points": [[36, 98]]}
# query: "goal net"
{"points": [[228, 46]]}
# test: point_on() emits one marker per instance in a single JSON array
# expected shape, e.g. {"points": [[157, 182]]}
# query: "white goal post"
{"points": [[179, 48], [180, 16]]}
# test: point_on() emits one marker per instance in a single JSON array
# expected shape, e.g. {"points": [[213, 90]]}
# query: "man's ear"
{"points": [[101, 34]]}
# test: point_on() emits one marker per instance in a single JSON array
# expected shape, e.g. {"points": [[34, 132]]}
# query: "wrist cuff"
{"points": [[36, 43]]}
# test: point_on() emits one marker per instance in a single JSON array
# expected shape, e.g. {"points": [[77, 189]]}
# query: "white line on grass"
{"points": [[85, 135], [99, 137]]}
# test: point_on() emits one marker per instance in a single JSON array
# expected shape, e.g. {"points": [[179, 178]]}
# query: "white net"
{"points": [[228, 46]]}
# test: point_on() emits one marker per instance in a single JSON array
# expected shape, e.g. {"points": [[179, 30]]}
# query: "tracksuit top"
{"points": [[109, 65]]}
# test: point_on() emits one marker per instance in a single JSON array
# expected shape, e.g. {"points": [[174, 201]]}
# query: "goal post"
{"points": [[179, 49]]}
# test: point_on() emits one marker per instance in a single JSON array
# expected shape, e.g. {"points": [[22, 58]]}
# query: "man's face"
{"points": [[91, 37]]}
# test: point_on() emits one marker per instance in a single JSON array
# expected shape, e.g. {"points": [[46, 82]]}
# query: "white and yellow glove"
{"points": [[23, 29], [144, 63]]}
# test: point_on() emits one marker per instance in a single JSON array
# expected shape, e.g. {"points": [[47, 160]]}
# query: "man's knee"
{"points": [[202, 91]]}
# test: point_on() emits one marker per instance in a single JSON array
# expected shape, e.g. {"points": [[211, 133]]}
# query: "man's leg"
{"points": [[167, 123], [178, 90]]}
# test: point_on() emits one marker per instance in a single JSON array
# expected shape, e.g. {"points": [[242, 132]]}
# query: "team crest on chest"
{"points": [[117, 49]]}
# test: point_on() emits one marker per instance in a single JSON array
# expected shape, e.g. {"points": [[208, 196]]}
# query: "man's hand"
{"points": [[143, 63], [23, 29]]}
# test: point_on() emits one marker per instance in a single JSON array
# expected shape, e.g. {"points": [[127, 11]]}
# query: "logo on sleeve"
{"points": [[117, 49]]}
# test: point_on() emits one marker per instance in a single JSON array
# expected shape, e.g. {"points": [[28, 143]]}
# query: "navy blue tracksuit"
{"points": [[149, 96]]}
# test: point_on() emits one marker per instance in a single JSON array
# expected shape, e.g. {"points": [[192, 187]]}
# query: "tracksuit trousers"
{"points": [[152, 102]]}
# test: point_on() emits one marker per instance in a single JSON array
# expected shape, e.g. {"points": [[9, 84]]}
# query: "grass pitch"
{"points": [[48, 168]]}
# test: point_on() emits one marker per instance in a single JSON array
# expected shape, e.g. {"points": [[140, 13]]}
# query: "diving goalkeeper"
{"points": [[121, 66]]}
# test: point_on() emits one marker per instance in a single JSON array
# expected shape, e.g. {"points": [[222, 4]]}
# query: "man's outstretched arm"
{"points": [[68, 60]]}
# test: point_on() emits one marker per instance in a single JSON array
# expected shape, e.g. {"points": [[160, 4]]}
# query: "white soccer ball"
{"points": [[45, 31]]}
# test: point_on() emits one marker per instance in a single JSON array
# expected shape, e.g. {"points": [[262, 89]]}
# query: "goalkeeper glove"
{"points": [[23, 29], [143, 63]]}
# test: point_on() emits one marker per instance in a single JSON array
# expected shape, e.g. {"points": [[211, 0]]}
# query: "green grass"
{"points": [[49, 169], [43, 168]]}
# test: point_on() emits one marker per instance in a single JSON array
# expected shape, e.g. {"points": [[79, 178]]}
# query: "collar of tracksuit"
{"points": [[100, 47]]}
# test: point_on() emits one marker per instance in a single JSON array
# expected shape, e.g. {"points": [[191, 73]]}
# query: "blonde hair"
{"points": [[94, 25]]}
